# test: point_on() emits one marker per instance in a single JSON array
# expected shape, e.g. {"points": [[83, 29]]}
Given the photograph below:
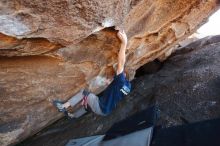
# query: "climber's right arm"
{"points": [[121, 55]]}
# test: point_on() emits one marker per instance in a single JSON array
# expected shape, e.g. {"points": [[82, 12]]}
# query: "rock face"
{"points": [[52, 49], [186, 90]]}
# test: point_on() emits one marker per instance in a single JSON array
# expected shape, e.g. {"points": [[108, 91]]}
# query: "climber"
{"points": [[115, 91]]}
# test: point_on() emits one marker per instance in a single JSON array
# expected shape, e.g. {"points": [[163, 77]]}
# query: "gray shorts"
{"points": [[92, 100]]}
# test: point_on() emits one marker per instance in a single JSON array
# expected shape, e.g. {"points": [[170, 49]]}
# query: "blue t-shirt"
{"points": [[119, 87]]}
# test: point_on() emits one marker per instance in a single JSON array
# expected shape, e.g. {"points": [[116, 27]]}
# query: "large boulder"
{"points": [[52, 49], [186, 90]]}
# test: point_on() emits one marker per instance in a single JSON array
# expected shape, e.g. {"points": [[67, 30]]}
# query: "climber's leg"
{"points": [[74, 100], [62, 107], [93, 102]]}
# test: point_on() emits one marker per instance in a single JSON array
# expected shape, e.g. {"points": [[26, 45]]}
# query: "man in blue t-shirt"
{"points": [[115, 91]]}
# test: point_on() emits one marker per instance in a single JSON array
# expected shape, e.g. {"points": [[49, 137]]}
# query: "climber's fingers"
{"points": [[122, 36]]}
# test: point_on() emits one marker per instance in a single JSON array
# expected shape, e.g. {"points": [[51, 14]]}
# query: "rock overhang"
{"points": [[52, 49]]}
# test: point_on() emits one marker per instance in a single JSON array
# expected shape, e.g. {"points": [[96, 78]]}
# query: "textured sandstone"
{"points": [[51, 49], [185, 89]]}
